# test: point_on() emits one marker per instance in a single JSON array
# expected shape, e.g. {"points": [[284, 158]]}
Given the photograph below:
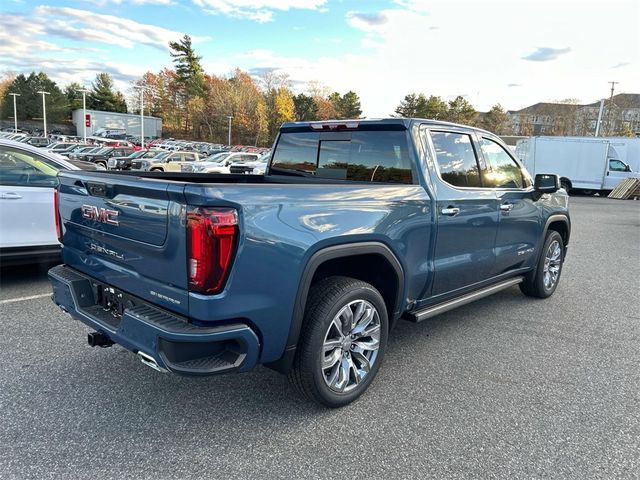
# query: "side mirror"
{"points": [[627, 168], [546, 183]]}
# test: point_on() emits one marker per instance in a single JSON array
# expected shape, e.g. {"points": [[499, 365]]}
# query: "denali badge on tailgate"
{"points": [[103, 215]]}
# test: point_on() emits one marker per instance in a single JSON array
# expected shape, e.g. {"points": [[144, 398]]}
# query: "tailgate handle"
{"points": [[97, 189]]}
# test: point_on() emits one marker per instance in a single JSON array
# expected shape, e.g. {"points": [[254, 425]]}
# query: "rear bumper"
{"points": [[173, 343]]}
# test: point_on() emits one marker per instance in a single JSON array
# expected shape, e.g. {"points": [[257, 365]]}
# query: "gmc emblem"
{"points": [[102, 215]]}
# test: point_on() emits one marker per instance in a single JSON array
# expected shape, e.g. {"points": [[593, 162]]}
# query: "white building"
{"points": [[130, 123]]}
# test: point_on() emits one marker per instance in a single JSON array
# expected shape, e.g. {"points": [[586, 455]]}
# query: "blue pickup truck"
{"points": [[306, 269]]}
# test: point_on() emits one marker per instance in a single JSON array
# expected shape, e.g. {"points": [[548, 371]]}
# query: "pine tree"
{"points": [[496, 120], [305, 107], [188, 68], [104, 97]]}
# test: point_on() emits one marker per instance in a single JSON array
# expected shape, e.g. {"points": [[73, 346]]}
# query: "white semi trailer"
{"points": [[587, 164]]}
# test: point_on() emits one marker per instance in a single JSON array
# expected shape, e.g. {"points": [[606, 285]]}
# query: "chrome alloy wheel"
{"points": [[351, 346], [552, 264]]}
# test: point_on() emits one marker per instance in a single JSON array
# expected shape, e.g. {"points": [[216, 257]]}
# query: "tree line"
{"points": [[60, 102]]}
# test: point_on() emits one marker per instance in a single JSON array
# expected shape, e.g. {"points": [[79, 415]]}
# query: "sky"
{"points": [[512, 52]]}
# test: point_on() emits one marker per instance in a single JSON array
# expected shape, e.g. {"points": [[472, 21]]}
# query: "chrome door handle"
{"points": [[10, 196], [450, 211], [506, 207]]}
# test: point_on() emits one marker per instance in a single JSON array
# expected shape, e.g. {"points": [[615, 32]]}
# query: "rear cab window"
{"points": [[456, 158], [358, 155]]}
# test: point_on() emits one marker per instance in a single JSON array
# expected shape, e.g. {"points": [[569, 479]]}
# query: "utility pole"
{"points": [[230, 117], [599, 122], [44, 111], [141, 88], [610, 113], [15, 112], [84, 113]]}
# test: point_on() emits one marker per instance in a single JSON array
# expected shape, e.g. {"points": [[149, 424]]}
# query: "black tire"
{"points": [[534, 284], [102, 164], [156, 170], [326, 299]]}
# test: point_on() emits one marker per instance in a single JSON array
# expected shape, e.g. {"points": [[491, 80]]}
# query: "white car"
{"points": [[28, 178], [220, 162], [254, 166]]}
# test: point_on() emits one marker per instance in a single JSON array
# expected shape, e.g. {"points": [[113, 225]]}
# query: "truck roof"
{"points": [[406, 122]]}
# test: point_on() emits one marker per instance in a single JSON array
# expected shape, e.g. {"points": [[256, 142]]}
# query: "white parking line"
{"points": [[22, 299]]}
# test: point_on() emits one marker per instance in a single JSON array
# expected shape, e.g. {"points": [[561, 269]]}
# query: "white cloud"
{"points": [[87, 26], [258, 10]]}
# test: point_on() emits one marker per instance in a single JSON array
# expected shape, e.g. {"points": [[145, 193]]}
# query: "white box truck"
{"points": [[587, 164]]}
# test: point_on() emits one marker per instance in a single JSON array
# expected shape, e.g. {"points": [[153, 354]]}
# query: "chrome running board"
{"points": [[433, 310]]}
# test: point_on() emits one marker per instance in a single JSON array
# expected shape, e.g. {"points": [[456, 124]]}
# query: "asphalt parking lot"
{"points": [[506, 387]]}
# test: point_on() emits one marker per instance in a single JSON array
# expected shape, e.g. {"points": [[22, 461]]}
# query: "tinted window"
{"points": [[502, 170], [297, 151], [456, 159], [362, 156]]}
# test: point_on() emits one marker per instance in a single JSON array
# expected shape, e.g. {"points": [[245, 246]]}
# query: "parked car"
{"points": [[124, 163], [306, 269], [253, 166], [102, 156], [171, 162], [28, 177], [220, 162], [38, 141]]}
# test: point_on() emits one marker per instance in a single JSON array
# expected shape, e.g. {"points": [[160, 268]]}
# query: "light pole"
{"points": [[44, 111], [230, 117], [141, 88], [84, 113], [15, 112]]}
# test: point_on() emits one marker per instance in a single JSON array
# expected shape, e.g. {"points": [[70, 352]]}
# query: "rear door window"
{"points": [[456, 159], [361, 156]]}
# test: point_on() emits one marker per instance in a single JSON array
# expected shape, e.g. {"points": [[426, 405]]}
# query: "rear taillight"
{"points": [[212, 236], [56, 214]]}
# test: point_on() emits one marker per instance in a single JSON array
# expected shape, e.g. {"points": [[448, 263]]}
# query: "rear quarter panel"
{"points": [[282, 226]]}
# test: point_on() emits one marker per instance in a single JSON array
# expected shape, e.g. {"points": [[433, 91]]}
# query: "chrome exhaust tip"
{"points": [[150, 362]]}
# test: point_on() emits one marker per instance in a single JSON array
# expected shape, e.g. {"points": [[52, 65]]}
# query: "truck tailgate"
{"points": [[127, 231]]}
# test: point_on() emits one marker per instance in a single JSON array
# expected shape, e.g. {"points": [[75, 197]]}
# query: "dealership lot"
{"points": [[506, 387]]}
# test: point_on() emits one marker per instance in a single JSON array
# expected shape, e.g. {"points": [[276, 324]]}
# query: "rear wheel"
{"points": [[342, 342], [544, 281]]}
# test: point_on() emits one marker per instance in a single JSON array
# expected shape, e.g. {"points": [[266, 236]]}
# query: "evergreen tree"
{"points": [[419, 106], [188, 68], [305, 107], [350, 105], [412, 106], [30, 101], [496, 120], [73, 95], [461, 111], [435, 108], [103, 96], [347, 105]]}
